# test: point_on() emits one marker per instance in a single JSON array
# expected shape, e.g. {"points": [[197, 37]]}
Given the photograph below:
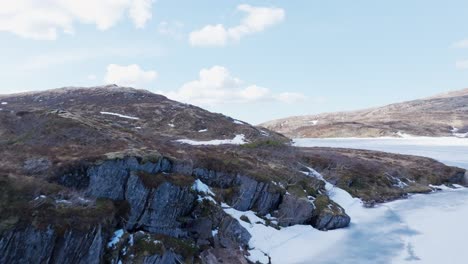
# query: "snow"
{"points": [[116, 238], [459, 135], [237, 140], [4, 103], [202, 130], [171, 125], [200, 187], [397, 182], [238, 122], [40, 197], [120, 115], [264, 133], [314, 122]]}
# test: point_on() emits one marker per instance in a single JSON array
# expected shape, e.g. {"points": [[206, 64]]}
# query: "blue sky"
{"points": [[253, 60]]}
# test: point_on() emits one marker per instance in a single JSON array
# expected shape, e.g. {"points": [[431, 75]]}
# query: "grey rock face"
{"points": [[151, 209], [168, 258], [251, 194], [137, 196], [25, 246], [108, 179], [255, 195], [231, 233], [214, 178], [222, 255], [46, 246], [294, 211], [165, 205], [329, 221], [332, 217]]}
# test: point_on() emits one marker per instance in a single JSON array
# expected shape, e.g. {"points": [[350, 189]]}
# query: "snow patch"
{"points": [[238, 122], [237, 140], [397, 182], [202, 130], [40, 197], [4, 103], [120, 115], [200, 187], [116, 238], [458, 135], [404, 135], [314, 122]]}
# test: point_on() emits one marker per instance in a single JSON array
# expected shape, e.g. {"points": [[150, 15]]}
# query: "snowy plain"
{"points": [[427, 228]]}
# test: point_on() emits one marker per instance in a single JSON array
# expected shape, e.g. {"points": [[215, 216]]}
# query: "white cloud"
{"points": [[131, 75], [257, 19], [217, 86], [210, 35], [45, 19], [462, 44], [462, 64], [140, 12], [171, 28]]}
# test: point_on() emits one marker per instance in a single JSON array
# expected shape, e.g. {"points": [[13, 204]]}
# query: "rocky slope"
{"points": [[441, 115], [111, 174]]}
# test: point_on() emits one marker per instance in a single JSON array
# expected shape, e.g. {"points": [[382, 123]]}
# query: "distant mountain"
{"points": [[441, 115]]}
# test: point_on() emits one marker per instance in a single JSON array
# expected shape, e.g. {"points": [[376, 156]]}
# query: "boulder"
{"points": [[294, 211]]}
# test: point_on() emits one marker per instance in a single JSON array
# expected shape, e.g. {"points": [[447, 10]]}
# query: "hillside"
{"points": [[441, 115], [112, 174]]}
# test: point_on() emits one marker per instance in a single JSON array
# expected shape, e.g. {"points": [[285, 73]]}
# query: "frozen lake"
{"points": [[427, 229], [452, 151]]}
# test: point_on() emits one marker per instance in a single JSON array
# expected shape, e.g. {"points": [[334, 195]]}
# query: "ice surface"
{"points": [[450, 150]]}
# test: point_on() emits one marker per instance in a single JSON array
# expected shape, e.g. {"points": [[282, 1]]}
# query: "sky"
{"points": [[252, 60]]}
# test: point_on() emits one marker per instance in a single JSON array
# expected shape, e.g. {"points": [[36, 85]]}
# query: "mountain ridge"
{"points": [[440, 115]]}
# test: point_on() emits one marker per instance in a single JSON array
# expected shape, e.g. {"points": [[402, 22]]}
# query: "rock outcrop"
{"points": [[33, 245]]}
